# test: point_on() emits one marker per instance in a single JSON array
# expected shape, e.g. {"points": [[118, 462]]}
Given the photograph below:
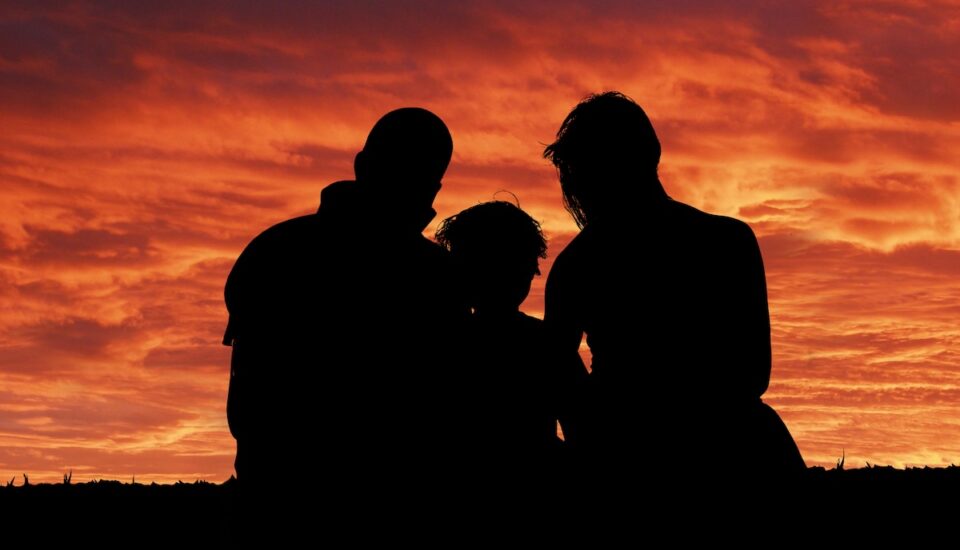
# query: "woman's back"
{"points": [[673, 302], [677, 297], [674, 307]]}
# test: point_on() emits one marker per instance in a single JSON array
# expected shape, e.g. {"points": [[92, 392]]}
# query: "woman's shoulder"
{"points": [[568, 263], [579, 246], [713, 225]]}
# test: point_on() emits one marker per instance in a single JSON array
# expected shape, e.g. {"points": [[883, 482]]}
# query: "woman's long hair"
{"points": [[606, 141]]}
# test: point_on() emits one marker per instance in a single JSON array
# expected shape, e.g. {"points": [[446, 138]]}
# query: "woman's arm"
{"points": [[562, 316], [752, 333], [564, 326]]}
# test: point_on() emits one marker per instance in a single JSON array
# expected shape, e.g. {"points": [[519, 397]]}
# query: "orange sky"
{"points": [[142, 147]]}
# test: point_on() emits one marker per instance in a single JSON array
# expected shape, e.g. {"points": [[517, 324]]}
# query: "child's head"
{"points": [[497, 247]]}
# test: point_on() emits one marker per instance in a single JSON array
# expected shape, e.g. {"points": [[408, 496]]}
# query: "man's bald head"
{"points": [[406, 147]]}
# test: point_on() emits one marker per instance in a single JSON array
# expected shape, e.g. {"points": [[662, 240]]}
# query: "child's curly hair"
{"points": [[493, 228]]}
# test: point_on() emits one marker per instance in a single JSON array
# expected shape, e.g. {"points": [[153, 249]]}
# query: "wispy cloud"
{"points": [[143, 146]]}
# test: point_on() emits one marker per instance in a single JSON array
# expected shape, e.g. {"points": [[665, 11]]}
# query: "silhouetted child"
{"points": [[517, 389]]}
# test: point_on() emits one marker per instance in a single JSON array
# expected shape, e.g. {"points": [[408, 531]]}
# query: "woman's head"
{"points": [[497, 247], [606, 151]]}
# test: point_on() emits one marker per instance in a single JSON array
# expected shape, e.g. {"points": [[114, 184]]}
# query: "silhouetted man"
{"points": [[339, 323], [674, 307]]}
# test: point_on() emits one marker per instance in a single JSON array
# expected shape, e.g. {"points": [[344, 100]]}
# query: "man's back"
{"points": [[338, 328]]}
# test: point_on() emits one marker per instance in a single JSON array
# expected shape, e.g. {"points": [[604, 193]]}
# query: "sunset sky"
{"points": [[142, 146]]}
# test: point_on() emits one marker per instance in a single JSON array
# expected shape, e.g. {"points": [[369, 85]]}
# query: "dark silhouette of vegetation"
{"points": [[203, 515], [112, 513]]}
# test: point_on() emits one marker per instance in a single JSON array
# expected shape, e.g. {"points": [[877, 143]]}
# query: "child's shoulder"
{"points": [[529, 323]]}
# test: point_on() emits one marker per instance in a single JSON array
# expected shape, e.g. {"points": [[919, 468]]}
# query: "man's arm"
{"points": [[233, 298], [240, 299]]}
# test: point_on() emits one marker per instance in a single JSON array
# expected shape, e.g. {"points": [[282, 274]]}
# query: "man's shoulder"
{"points": [[291, 234], [424, 251], [270, 247], [287, 230]]}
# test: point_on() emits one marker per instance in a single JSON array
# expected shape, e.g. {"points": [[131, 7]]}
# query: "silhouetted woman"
{"points": [[673, 304]]}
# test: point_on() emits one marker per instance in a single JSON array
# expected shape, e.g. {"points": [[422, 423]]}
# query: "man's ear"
{"points": [[360, 169]]}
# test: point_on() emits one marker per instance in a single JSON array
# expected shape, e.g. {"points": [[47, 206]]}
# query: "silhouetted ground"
{"points": [[883, 474], [201, 514], [116, 514]]}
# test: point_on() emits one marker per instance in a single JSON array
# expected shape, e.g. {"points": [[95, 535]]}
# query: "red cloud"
{"points": [[143, 147]]}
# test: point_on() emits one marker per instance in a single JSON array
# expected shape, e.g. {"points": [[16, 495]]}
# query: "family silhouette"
{"points": [[388, 363]]}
